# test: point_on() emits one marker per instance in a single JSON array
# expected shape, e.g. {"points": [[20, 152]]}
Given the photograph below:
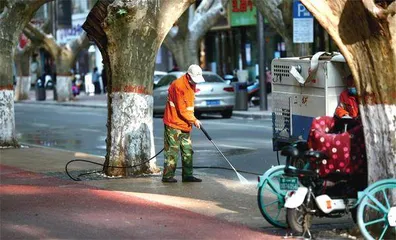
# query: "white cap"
{"points": [[195, 73]]}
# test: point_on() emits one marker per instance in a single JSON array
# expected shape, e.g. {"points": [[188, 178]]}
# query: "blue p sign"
{"points": [[299, 11]]}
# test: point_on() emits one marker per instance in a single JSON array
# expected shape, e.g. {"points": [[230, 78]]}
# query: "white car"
{"points": [[158, 75], [212, 96]]}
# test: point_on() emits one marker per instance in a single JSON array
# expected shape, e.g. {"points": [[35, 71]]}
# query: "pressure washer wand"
{"points": [[241, 178]]}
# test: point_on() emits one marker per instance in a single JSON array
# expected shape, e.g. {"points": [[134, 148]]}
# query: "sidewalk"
{"points": [[38, 200], [100, 101]]}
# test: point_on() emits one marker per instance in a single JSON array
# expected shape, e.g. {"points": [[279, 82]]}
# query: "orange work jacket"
{"points": [[347, 105], [179, 108]]}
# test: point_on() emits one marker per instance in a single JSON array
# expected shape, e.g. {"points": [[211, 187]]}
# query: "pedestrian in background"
{"points": [[95, 80], [178, 119]]}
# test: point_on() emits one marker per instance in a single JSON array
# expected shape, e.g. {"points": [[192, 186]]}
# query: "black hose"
{"points": [[83, 160]]}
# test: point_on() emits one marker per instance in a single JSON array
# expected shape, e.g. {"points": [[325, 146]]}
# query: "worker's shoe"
{"points": [[191, 179], [169, 180]]}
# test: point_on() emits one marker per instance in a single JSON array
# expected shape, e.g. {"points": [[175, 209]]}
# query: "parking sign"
{"points": [[302, 23]]}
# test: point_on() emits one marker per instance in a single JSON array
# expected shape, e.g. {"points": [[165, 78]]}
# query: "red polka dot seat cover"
{"points": [[346, 151]]}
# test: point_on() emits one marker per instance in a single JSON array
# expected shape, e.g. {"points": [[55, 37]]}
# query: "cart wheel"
{"points": [[271, 200], [373, 215], [295, 217]]}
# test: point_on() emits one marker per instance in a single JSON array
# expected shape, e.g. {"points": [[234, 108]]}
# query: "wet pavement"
{"points": [[39, 201]]}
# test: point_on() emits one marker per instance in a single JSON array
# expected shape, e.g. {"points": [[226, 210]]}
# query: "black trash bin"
{"points": [[40, 90], [241, 96]]}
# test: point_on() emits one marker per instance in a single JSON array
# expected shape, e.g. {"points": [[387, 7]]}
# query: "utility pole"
{"points": [[262, 75]]}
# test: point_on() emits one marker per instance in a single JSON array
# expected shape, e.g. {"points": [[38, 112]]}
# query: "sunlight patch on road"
{"points": [[89, 130], [209, 208]]}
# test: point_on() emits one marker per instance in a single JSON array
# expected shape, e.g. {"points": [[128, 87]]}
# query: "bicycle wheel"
{"points": [[373, 210], [271, 200]]}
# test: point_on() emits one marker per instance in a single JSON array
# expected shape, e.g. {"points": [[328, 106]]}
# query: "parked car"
{"points": [[212, 96], [158, 75]]}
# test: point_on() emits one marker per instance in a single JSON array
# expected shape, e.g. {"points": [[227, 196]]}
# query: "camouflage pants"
{"points": [[175, 139]]}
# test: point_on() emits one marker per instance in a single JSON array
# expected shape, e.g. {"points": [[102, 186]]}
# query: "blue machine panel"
{"points": [[301, 126]]}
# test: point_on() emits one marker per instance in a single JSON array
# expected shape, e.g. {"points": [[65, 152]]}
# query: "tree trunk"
{"points": [[7, 119], [369, 47], [185, 53], [64, 63], [129, 35], [13, 17], [191, 28], [23, 82]]}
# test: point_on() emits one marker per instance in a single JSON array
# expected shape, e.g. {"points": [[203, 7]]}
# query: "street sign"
{"points": [[243, 13], [302, 24]]}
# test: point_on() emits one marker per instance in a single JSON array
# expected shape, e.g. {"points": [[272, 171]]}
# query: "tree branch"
{"points": [[182, 23], [205, 21], [204, 6], [271, 10], [79, 43], [378, 11], [46, 40]]}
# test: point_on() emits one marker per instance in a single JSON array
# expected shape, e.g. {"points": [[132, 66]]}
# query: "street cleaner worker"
{"points": [[347, 110], [348, 105], [178, 120]]}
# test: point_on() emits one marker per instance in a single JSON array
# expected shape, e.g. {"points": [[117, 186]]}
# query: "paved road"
{"points": [[245, 142]]}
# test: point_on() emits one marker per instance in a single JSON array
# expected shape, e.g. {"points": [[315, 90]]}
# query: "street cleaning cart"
{"points": [[304, 88]]}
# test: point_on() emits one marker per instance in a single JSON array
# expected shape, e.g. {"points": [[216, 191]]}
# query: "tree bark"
{"points": [[64, 56], [129, 35], [23, 76], [369, 48], [14, 15], [184, 39]]}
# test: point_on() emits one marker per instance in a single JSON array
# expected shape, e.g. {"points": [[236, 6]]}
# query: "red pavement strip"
{"points": [[36, 206]]}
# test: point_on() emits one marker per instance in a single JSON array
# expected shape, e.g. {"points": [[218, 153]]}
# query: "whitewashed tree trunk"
{"points": [[23, 78], [22, 88], [129, 35], [184, 39], [7, 119], [63, 88], [369, 47], [13, 17]]}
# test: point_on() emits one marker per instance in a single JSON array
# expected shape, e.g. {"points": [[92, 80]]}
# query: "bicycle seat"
{"points": [[289, 151], [301, 145], [315, 154]]}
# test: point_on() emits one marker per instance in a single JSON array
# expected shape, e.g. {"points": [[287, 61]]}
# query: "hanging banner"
{"points": [[303, 24]]}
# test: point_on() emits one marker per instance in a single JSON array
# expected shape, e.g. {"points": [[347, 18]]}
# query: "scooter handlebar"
{"points": [[206, 133]]}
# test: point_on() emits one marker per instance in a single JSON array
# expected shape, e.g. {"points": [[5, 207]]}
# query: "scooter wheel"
{"points": [[375, 210]]}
